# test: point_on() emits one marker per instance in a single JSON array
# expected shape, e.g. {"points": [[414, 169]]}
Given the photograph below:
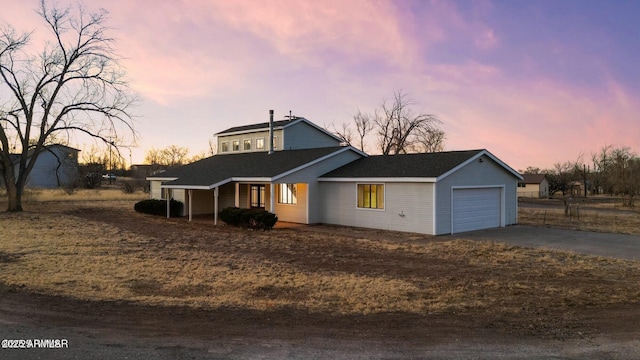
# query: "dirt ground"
{"points": [[538, 322]]}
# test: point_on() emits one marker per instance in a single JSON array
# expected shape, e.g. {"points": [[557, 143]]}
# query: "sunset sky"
{"points": [[534, 82]]}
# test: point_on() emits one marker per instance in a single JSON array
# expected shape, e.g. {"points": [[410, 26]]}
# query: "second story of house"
{"points": [[290, 134]]}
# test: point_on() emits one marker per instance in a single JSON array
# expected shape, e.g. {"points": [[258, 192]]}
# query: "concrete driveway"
{"points": [[585, 242]]}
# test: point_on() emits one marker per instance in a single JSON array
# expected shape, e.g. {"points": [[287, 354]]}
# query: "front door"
{"points": [[256, 196]]}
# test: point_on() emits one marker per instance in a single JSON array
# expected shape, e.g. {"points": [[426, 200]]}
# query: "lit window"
{"points": [[371, 196], [247, 145], [224, 147], [236, 145], [260, 144], [288, 194]]}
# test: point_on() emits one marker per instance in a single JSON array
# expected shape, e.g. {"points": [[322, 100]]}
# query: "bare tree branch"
{"points": [[74, 85]]}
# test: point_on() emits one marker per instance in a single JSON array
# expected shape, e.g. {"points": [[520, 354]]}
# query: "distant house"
{"points": [[307, 177], [534, 186], [56, 166]]}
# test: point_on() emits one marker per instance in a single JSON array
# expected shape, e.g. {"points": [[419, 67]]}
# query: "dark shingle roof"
{"points": [[404, 165], [260, 126], [219, 168], [532, 178]]}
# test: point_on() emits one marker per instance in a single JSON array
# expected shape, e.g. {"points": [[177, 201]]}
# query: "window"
{"points": [[288, 194], [260, 144], [371, 196], [224, 147], [236, 145], [247, 145], [257, 196], [275, 142]]}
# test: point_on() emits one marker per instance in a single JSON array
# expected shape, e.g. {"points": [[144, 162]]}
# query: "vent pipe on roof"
{"points": [[270, 131]]}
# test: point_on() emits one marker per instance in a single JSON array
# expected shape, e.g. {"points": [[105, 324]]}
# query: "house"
{"points": [[56, 166], [307, 177], [533, 185]]}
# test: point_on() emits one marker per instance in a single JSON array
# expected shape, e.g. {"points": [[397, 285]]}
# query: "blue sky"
{"points": [[534, 82]]}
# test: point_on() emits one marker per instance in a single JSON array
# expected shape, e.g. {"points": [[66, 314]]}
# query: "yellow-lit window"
{"points": [[371, 196], [288, 194]]}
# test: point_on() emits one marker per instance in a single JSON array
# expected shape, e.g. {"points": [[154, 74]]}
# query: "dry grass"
{"points": [[601, 219], [40, 195], [105, 251]]}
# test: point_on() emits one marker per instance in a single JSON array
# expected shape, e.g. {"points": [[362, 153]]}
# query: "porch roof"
{"points": [[257, 166]]}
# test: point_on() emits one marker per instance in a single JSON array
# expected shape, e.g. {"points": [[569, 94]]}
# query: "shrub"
{"points": [[251, 218], [159, 207]]}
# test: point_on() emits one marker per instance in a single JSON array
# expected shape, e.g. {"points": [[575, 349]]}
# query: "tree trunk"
{"points": [[14, 196]]}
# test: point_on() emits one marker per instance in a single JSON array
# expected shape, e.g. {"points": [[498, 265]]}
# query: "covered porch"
{"points": [[290, 202]]}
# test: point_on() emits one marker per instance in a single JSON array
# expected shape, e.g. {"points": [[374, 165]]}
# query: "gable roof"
{"points": [[532, 178], [427, 165], [277, 125], [252, 166]]}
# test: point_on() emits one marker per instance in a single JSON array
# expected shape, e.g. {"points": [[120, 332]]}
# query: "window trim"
{"points": [[384, 197], [244, 144], [223, 145], [280, 192], [233, 145]]}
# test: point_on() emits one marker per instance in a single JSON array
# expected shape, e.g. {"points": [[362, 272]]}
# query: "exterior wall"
{"points": [[535, 190], [250, 136], [304, 136], [154, 189], [408, 207], [52, 171], [309, 176], [529, 190], [296, 213], [485, 173]]}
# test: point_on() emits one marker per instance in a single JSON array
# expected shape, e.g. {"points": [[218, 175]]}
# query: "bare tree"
{"points": [[345, 133], [170, 157], [364, 125], [74, 85], [399, 127]]}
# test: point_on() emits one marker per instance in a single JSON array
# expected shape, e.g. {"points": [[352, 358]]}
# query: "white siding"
{"points": [[155, 190], [250, 136], [408, 207], [296, 213]]}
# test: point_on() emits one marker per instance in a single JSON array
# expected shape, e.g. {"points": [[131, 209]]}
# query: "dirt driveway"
{"points": [[620, 246]]}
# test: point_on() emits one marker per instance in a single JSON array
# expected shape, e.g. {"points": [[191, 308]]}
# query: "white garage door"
{"points": [[475, 209]]}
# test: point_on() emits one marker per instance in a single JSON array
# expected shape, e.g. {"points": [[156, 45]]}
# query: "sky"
{"points": [[533, 82]]}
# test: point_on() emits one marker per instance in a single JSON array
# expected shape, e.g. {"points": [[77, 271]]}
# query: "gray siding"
{"points": [[485, 173], [309, 176], [53, 170], [304, 136], [408, 207]]}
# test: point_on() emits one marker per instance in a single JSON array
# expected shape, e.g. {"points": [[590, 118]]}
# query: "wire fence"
{"points": [[579, 217]]}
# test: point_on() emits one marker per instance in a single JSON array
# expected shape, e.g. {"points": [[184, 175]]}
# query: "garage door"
{"points": [[475, 209]]}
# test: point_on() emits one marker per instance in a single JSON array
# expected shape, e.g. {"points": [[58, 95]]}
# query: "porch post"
{"points": [[215, 206], [189, 192], [272, 196], [168, 203], [237, 203]]}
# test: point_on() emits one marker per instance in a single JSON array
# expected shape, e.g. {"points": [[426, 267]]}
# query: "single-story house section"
{"points": [[534, 186], [284, 182], [433, 193], [301, 173]]}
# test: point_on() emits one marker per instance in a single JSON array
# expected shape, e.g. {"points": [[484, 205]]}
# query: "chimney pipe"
{"points": [[270, 131]]}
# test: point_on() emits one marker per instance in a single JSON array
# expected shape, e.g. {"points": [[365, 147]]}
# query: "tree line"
{"points": [[612, 170]]}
